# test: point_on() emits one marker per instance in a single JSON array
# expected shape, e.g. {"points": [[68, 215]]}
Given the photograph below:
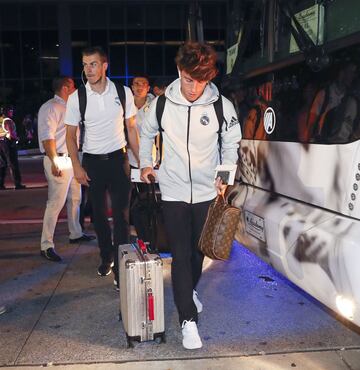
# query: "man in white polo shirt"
{"points": [[105, 164], [62, 187]]}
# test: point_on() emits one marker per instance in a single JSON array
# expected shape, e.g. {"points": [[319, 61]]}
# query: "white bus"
{"points": [[293, 75]]}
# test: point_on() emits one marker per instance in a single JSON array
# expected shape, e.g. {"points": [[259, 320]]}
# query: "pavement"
{"points": [[64, 315]]}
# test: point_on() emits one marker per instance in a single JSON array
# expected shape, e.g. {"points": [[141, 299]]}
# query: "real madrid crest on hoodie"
{"points": [[204, 119]]}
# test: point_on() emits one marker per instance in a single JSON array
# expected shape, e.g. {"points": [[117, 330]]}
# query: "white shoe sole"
{"points": [[194, 346], [102, 275], [111, 265]]}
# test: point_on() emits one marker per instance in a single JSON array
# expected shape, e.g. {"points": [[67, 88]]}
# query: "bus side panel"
{"points": [[316, 249], [270, 224], [322, 175]]}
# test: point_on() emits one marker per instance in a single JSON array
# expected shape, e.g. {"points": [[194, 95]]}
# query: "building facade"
{"points": [[40, 40]]}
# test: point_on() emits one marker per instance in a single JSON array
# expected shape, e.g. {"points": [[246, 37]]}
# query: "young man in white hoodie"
{"points": [[186, 176]]}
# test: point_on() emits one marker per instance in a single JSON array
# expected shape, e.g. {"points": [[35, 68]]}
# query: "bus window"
{"points": [[311, 18], [342, 19], [246, 36], [309, 107]]}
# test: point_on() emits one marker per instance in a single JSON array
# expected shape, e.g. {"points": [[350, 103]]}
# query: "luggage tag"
{"points": [[226, 172]]}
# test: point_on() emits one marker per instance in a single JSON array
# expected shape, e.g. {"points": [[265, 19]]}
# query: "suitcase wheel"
{"points": [[160, 339], [130, 343], [163, 337]]}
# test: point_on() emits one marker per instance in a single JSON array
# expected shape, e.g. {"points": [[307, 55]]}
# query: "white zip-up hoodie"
{"points": [[190, 140]]}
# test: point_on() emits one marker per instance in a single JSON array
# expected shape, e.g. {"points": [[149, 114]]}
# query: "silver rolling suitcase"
{"points": [[141, 293]]}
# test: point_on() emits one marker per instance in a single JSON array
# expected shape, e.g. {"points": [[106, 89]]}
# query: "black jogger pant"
{"points": [[109, 174], [183, 225]]}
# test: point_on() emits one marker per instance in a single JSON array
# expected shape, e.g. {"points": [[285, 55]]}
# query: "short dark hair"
{"points": [[198, 60], [162, 82], [140, 75], [59, 82], [95, 50]]}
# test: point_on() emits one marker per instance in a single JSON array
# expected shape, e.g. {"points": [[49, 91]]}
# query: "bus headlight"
{"points": [[345, 306]]}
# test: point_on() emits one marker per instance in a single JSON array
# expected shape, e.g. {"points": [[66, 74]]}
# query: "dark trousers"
{"points": [[85, 206], [183, 224], [9, 154], [109, 175]]}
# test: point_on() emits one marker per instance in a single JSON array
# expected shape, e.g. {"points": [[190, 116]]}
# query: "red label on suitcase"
{"points": [[151, 307]]}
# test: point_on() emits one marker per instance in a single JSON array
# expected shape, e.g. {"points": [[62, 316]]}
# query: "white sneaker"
{"points": [[198, 304], [191, 338]]}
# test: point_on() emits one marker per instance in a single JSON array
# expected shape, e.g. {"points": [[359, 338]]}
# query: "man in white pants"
{"points": [[62, 186]]}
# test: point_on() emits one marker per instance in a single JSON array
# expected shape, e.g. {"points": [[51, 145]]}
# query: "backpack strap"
{"points": [[160, 106], [82, 109], [219, 110], [120, 89]]}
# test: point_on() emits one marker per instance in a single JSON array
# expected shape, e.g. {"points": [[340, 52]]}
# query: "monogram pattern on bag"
{"points": [[219, 230]]}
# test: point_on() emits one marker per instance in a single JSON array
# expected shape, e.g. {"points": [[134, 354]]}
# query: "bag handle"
{"points": [[152, 187], [220, 198], [142, 246]]}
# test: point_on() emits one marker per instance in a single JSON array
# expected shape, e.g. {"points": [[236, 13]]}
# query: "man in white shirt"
{"points": [[105, 165], [140, 87], [62, 187]]}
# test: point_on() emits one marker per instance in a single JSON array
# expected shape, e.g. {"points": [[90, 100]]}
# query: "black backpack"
{"points": [[82, 107], [218, 106]]}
